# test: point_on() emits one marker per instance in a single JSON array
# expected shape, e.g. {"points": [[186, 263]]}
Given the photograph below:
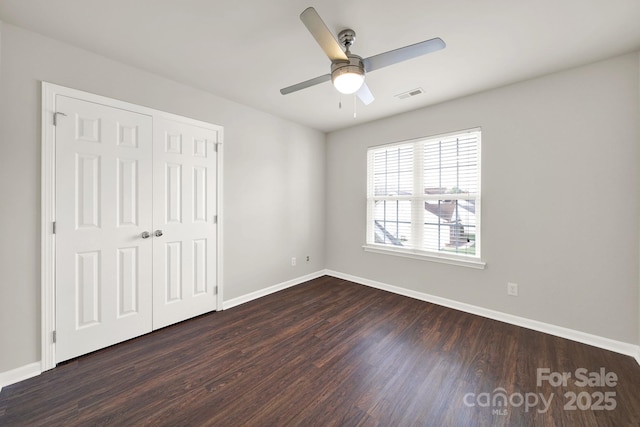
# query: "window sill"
{"points": [[409, 253]]}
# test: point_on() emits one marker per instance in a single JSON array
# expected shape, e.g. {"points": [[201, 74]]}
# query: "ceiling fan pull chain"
{"points": [[355, 106]]}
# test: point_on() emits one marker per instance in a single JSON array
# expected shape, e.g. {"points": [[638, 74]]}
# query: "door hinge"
{"points": [[215, 219], [54, 336], [53, 228], [55, 117], [215, 290]]}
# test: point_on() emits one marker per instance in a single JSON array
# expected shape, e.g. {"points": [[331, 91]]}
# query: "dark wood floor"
{"points": [[330, 352]]}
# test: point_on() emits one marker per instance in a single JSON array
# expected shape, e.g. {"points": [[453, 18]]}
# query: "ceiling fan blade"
{"points": [[365, 95], [323, 36], [306, 84], [402, 54]]}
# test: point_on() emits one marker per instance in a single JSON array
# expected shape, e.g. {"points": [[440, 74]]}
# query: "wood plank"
{"points": [[327, 352]]}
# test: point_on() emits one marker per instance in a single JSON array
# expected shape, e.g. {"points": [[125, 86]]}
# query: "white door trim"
{"points": [[48, 199]]}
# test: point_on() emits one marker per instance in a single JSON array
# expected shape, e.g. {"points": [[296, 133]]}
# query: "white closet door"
{"points": [[103, 205], [184, 218]]}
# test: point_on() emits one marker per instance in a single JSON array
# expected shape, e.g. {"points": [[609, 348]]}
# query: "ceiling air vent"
{"points": [[409, 94]]}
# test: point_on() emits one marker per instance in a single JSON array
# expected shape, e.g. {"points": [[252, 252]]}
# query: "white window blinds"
{"points": [[424, 195]]}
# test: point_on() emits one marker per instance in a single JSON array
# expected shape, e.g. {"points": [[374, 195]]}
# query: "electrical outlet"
{"points": [[293, 262], [512, 289], [308, 258]]}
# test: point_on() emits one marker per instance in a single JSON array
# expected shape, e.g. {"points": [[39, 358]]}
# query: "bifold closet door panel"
{"points": [[184, 218], [103, 207]]}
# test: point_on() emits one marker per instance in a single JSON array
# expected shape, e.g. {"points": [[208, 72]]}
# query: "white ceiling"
{"points": [[246, 50]]}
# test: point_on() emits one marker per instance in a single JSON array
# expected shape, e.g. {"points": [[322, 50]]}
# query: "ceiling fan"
{"points": [[347, 69]]}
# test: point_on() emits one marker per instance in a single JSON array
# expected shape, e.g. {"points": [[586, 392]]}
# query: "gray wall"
{"points": [[560, 208], [273, 178]]}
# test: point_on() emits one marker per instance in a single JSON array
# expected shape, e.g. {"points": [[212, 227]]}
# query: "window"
{"points": [[423, 197]]}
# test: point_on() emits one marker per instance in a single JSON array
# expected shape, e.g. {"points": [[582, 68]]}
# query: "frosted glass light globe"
{"points": [[348, 82]]}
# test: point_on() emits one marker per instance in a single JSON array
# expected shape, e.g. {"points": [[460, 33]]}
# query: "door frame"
{"points": [[48, 200]]}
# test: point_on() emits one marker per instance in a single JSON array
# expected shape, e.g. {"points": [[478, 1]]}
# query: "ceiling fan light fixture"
{"points": [[348, 83], [348, 77]]}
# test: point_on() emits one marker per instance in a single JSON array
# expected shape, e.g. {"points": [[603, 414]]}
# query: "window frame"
{"points": [[417, 216]]}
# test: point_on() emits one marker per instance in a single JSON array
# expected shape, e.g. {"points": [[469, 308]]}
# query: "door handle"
{"points": [[145, 235], [158, 233]]}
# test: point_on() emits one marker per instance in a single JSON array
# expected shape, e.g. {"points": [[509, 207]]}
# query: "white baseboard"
{"points": [[19, 374], [271, 289], [559, 331]]}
